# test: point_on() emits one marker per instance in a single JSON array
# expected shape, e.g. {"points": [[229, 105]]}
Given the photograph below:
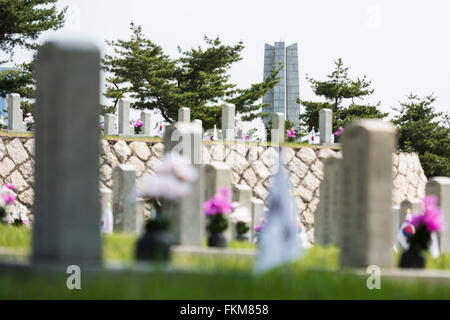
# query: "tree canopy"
{"points": [[199, 79], [21, 23], [423, 130], [336, 90]]}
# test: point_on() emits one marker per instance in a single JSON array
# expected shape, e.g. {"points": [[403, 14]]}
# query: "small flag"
{"points": [[278, 242], [215, 134], [406, 230]]}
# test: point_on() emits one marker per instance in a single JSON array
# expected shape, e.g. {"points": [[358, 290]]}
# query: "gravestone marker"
{"points": [[257, 215], [186, 214], [124, 198], [218, 175], [325, 125], [15, 114], [109, 120], [124, 118], [140, 216], [228, 115], [146, 118], [198, 123], [326, 229], [278, 128], [66, 228], [440, 186], [366, 212], [184, 115]]}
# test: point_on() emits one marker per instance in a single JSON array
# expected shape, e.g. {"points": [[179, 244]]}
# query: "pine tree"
{"points": [[21, 23], [336, 90], [199, 79], [426, 132]]}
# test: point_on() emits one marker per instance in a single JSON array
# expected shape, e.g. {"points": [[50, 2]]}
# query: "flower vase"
{"points": [[154, 246], [217, 239], [412, 258], [242, 237]]}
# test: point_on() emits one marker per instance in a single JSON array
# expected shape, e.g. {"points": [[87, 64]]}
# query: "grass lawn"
{"points": [[314, 276]]}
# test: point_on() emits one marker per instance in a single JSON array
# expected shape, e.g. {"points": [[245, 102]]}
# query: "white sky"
{"points": [[402, 46]]}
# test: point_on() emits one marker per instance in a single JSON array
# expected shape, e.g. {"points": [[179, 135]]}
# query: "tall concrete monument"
{"points": [[283, 97]]}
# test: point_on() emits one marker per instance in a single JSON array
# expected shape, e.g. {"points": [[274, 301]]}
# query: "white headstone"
{"points": [[15, 114], [366, 212], [124, 118]]}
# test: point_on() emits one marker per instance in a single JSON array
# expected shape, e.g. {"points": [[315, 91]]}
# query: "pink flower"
{"points": [[244, 136], [291, 133], [340, 131], [207, 138], [9, 186], [24, 219], [138, 123], [432, 216], [261, 226], [218, 204], [9, 198]]}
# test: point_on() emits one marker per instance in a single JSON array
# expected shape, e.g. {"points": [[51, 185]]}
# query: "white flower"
{"points": [[29, 118], [240, 214], [172, 179], [173, 163], [163, 187]]}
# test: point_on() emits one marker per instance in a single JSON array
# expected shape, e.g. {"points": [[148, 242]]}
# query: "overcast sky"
{"points": [[402, 46]]}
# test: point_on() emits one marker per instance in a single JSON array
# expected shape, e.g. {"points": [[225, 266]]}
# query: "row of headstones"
{"points": [[129, 211], [355, 211], [186, 215], [124, 127], [16, 124], [66, 207]]}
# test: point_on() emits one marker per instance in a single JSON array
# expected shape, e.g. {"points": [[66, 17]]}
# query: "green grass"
{"points": [[16, 134], [133, 138], [282, 283], [315, 276]]}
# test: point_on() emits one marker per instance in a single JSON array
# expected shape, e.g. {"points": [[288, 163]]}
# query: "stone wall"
{"points": [[250, 165]]}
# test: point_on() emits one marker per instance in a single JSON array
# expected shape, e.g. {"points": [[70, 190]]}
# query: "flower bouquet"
{"points": [[424, 227], [171, 182], [216, 209], [138, 126], [29, 122], [241, 217], [258, 228], [291, 134]]}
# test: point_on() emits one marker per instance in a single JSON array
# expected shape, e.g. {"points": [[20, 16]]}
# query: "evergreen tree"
{"points": [[21, 23], [426, 132], [336, 90], [199, 79]]}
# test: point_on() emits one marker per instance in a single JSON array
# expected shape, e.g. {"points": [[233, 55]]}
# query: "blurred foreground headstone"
{"points": [[66, 229]]}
